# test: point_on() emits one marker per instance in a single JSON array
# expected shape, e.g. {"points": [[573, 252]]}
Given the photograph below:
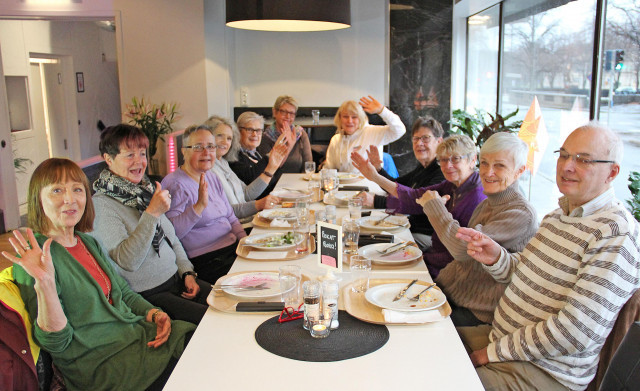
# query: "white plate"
{"points": [[270, 279], [407, 254], [279, 213], [290, 195], [256, 241], [345, 195], [349, 177], [382, 296], [389, 223]]}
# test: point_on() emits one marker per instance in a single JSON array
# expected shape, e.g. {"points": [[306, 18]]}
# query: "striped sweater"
{"points": [[566, 289]]}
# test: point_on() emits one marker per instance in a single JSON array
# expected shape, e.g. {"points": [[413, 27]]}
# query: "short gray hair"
{"points": [[508, 143], [615, 149], [192, 129], [213, 122], [249, 116], [457, 144]]}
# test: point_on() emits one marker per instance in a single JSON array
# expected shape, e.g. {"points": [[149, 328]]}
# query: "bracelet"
{"points": [[153, 316], [270, 175]]}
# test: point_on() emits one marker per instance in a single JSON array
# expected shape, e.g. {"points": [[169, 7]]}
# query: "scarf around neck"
{"points": [[137, 196]]}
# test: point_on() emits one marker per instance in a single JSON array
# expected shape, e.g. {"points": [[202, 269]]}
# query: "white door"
{"points": [[8, 194]]}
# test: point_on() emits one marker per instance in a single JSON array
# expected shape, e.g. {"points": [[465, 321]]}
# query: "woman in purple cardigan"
{"points": [[200, 212], [457, 158]]}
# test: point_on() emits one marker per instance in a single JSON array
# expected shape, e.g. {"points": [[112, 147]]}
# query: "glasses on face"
{"points": [[200, 147], [424, 139], [252, 130], [287, 113], [453, 159], [583, 160]]}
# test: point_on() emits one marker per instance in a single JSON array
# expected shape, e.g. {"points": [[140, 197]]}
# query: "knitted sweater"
{"points": [[126, 236], [506, 217], [102, 346], [566, 289], [464, 200]]}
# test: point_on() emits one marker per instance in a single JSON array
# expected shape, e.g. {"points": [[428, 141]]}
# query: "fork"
{"points": [[377, 222], [245, 287], [417, 297]]}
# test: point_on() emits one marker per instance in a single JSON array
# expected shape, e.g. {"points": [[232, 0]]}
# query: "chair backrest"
{"points": [[624, 369]]}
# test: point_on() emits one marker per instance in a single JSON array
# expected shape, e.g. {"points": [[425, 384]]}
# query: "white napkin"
{"points": [[267, 254], [279, 223], [392, 316]]}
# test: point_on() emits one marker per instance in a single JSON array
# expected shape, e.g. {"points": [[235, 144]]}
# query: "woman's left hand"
{"points": [[364, 166], [267, 202], [163, 323], [191, 287], [432, 195], [371, 105]]}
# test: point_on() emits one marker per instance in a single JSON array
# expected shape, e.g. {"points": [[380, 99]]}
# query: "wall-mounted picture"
{"points": [[80, 81]]}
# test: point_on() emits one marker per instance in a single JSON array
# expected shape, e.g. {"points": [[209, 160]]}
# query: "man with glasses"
{"points": [[568, 285], [283, 131]]}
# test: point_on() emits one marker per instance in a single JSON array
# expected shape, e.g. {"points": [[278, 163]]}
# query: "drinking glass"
{"points": [[290, 276], [355, 208], [302, 209], [309, 168], [350, 236], [330, 182], [360, 268], [314, 189], [301, 229], [315, 115]]}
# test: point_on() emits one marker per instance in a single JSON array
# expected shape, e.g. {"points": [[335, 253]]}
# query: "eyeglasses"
{"points": [[453, 159], [252, 130], [580, 159], [424, 139], [289, 313], [287, 113], [200, 147]]}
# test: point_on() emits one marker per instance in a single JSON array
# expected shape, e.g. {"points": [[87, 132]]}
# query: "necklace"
{"points": [[106, 280]]}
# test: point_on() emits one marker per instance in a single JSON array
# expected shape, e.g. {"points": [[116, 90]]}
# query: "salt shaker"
{"points": [[330, 293]]}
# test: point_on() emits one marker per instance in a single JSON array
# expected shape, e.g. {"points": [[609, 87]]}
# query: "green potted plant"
{"points": [[154, 120], [481, 125], [634, 187]]}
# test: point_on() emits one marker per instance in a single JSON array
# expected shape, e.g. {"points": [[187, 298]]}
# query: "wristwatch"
{"points": [[189, 273]]}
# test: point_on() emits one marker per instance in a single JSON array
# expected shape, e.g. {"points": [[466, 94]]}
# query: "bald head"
{"points": [[611, 143]]}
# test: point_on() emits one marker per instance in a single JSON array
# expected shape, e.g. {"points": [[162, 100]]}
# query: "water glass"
{"points": [[330, 182], [290, 276], [315, 115], [301, 230], [302, 210], [315, 190], [355, 208], [350, 236], [309, 168], [321, 216], [360, 268]]}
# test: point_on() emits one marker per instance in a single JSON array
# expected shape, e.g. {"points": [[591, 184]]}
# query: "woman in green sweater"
{"points": [[100, 334]]}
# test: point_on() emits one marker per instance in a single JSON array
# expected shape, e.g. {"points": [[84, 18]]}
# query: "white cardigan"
{"points": [[341, 145]]}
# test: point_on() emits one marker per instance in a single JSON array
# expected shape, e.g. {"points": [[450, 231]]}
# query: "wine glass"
{"points": [[330, 182], [309, 168]]}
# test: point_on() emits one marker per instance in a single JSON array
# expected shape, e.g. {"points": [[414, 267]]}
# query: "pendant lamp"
{"points": [[289, 15]]}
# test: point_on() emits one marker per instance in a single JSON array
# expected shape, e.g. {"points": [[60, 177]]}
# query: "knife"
{"points": [[395, 250], [404, 290]]}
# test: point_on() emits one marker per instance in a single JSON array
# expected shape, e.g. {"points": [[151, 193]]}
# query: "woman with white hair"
{"points": [[505, 216], [354, 134]]}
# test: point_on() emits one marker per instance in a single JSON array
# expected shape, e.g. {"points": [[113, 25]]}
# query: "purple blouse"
{"points": [[463, 202]]}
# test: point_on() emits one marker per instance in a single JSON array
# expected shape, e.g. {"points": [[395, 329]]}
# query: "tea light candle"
{"points": [[319, 330]]}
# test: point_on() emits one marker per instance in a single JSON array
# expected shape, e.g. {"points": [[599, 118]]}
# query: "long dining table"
{"points": [[224, 355]]}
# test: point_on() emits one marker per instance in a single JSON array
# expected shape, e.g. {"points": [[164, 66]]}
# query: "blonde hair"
{"points": [[213, 122], [351, 107], [283, 100], [457, 144]]}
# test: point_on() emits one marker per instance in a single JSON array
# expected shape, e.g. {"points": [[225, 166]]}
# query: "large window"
{"points": [[482, 64], [547, 53]]}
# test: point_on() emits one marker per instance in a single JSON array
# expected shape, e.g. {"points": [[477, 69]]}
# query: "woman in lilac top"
{"points": [[200, 212], [457, 158]]}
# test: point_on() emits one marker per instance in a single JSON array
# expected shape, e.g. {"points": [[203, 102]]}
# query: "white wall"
{"points": [[317, 68]]}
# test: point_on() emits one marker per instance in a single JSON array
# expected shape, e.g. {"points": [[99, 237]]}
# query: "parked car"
{"points": [[626, 91]]}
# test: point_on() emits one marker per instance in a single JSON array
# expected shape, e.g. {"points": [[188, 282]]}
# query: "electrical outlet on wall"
{"points": [[244, 96]]}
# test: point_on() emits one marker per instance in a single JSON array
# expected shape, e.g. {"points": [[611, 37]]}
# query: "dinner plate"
{"points": [[270, 279], [391, 222], [407, 254], [382, 296], [345, 195], [279, 213], [349, 177], [290, 195], [260, 241]]}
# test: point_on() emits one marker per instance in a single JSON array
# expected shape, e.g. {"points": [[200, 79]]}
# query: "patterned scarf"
{"points": [[273, 133], [129, 194]]}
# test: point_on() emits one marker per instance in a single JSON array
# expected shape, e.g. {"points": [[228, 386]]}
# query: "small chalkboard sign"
{"points": [[329, 245]]}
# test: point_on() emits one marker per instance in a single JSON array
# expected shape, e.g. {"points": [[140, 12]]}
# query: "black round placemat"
{"points": [[354, 338]]}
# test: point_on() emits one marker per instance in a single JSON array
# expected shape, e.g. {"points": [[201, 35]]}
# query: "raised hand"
{"points": [[160, 202], [371, 105], [203, 195], [432, 195], [277, 156], [364, 166], [374, 157], [481, 247], [34, 260]]}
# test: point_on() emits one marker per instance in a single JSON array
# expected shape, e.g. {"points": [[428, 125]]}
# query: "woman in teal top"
{"points": [[100, 334]]}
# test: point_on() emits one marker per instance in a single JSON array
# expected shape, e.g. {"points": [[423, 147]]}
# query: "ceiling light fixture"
{"points": [[289, 15]]}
